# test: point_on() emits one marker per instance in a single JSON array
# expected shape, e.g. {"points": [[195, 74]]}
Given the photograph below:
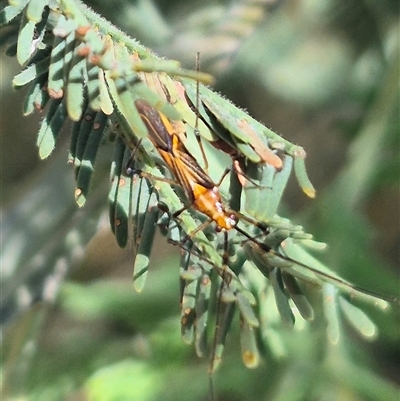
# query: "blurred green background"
{"points": [[324, 74]]}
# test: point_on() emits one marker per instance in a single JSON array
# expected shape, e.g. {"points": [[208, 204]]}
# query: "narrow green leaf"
{"points": [[188, 312], [332, 313], [314, 245], [358, 319], [35, 94], [119, 226], [35, 9], [124, 101], [8, 13], [25, 38], [140, 270], [261, 174], [225, 313], [70, 61], [51, 127], [301, 174], [171, 67], [31, 72], [202, 309], [301, 235], [105, 100], [85, 128], [248, 344], [144, 201], [93, 85], [29, 106], [55, 85], [296, 294], [270, 319], [246, 310], [86, 167], [120, 213], [273, 196], [145, 241], [281, 299], [76, 130], [75, 87]]}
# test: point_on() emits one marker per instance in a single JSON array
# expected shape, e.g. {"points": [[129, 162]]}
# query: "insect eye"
{"points": [[218, 229]]}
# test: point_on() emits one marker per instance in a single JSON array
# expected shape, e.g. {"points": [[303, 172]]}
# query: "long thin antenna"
{"points": [[326, 276], [197, 113], [197, 92]]}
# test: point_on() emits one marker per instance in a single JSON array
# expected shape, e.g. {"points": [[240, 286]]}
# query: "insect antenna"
{"points": [[237, 159], [196, 125], [265, 251]]}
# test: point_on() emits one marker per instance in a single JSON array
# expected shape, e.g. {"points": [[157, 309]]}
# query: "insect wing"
{"points": [[189, 165], [159, 128]]}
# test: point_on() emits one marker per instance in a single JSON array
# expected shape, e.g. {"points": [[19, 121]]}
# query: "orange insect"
{"points": [[201, 191]]}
